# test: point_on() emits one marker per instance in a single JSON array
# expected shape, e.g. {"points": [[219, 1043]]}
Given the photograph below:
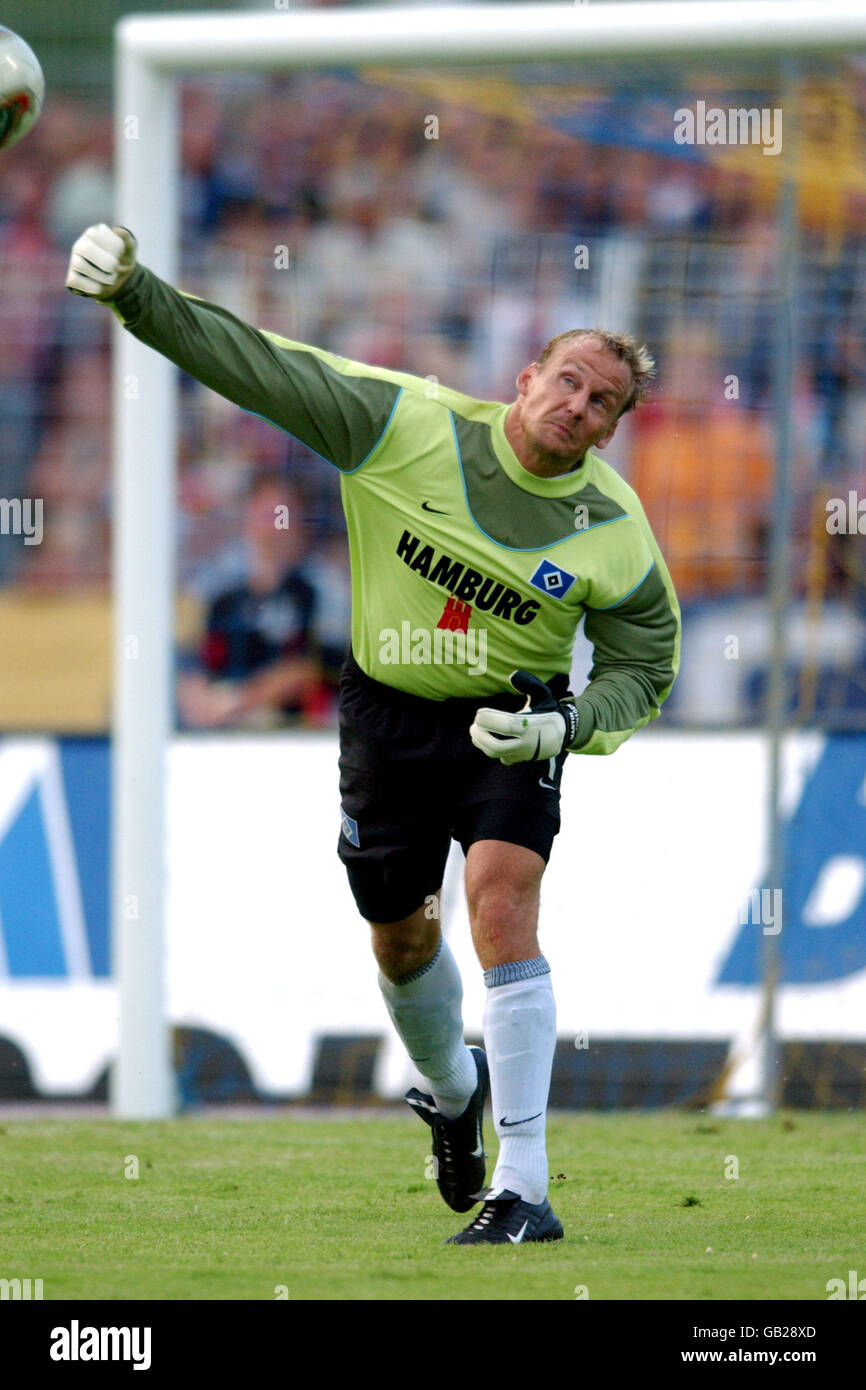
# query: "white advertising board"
{"points": [[645, 898]]}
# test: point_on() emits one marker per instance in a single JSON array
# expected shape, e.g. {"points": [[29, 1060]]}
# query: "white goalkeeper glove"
{"points": [[102, 260], [537, 732]]}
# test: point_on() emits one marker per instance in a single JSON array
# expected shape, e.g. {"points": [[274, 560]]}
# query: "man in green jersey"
{"points": [[480, 534]]}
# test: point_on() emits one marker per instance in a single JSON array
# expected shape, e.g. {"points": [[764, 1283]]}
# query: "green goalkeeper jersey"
{"points": [[465, 566]]}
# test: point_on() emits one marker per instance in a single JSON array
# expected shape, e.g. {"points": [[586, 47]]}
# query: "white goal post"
{"points": [[152, 52]]}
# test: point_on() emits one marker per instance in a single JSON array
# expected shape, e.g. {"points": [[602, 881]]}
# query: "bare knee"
{"points": [[407, 945], [502, 892], [503, 915]]}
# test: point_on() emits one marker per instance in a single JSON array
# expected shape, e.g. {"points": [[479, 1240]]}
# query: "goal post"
{"points": [[152, 53], [144, 420]]}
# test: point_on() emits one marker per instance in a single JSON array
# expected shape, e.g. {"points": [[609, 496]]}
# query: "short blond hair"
{"points": [[624, 347]]}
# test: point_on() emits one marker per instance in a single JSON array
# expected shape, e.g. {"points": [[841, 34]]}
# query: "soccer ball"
{"points": [[22, 88]]}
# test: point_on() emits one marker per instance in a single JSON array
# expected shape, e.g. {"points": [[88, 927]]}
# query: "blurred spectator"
{"points": [[703, 469], [71, 473], [27, 341], [327, 569], [258, 663], [435, 227]]}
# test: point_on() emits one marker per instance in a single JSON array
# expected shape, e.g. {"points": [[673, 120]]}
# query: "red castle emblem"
{"points": [[455, 615]]}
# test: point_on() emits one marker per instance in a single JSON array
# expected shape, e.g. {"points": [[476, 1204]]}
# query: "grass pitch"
{"points": [[655, 1206]]}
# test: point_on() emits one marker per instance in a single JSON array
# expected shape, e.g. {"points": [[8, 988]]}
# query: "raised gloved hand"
{"points": [[102, 260], [539, 731]]}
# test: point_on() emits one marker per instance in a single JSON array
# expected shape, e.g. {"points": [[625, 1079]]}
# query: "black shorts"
{"points": [[411, 780]]}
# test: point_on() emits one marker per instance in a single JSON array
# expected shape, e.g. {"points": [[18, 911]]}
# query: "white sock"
{"points": [[520, 1037], [425, 1010]]}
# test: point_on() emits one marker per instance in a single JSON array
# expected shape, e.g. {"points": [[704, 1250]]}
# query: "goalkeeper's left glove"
{"points": [[539, 731]]}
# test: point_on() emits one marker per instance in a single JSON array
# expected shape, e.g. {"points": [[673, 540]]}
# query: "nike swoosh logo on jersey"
{"points": [[515, 1240], [425, 507], [508, 1123]]}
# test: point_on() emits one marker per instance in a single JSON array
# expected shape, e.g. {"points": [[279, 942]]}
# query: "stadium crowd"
{"points": [[448, 237]]}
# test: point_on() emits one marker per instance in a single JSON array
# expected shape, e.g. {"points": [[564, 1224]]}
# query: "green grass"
{"points": [[339, 1208]]}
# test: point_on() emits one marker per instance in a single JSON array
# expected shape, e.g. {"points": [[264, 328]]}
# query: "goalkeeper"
{"points": [[480, 535]]}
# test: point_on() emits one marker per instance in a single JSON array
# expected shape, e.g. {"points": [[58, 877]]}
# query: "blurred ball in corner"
{"points": [[22, 88]]}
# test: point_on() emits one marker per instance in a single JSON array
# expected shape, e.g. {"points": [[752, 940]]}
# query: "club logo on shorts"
{"points": [[349, 828], [552, 580]]}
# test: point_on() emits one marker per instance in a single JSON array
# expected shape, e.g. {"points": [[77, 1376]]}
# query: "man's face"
{"points": [[273, 522], [572, 403]]}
